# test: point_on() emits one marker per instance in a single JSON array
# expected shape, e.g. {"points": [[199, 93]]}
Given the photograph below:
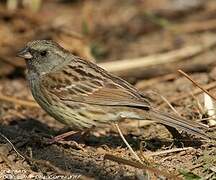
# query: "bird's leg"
{"points": [[64, 135], [77, 135], [174, 132], [176, 135]]}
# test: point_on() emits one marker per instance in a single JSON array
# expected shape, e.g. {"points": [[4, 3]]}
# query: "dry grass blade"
{"points": [[128, 145], [196, 84], [168, 103], [158, 59], [207, 97], [185, 95], [12, 145], [169, 151], [18, 101], [140, 166]]}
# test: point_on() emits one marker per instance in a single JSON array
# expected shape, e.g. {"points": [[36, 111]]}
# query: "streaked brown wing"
{"points": [[90, 84]]}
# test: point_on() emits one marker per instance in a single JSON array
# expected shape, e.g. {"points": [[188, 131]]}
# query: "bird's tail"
{"points": [[191, 127]]}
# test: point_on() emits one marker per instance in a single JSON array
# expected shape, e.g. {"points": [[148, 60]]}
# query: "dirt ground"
{"points": [[105, 32]]}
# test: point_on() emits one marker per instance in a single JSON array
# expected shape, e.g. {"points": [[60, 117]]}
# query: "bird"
{"points": [[82, 95]]}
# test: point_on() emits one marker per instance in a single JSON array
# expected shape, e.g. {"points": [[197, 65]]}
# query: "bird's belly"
{"points": [[76, 115], [79, 115]]}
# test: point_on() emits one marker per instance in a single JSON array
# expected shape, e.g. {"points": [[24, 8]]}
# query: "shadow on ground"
{"points": [[31, 133]]}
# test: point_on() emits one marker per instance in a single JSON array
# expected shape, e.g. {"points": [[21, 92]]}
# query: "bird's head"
{"points": [[42, 56]]}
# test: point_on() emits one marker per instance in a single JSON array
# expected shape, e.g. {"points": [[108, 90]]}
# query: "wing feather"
{"points": [[90, 84]]}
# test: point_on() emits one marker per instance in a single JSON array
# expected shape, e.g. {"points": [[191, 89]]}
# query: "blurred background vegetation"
{"points": [[105, 30]]}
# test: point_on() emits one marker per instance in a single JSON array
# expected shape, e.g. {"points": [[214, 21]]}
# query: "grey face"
{"points": [[42, 55]]}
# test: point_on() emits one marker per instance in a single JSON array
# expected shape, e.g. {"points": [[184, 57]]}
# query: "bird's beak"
{"points": [[24, 53]]}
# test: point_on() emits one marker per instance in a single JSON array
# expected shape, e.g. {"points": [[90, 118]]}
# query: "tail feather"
{"points": [[179, 123]]}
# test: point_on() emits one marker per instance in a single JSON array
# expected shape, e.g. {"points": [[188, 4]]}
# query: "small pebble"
{"points": [[5, 149], [12, 158]]}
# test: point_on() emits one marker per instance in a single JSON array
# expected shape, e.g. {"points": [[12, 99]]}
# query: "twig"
{"points": [[18, 101], [168, 103], [158, 59], [140, 166], [2, 135], [199, 106], [168, 151], [207, 98], [185, 95], [196, 84], [128, 145]]}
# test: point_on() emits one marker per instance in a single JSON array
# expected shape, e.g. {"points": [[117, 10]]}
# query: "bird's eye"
{"points": [[43, 53]]}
